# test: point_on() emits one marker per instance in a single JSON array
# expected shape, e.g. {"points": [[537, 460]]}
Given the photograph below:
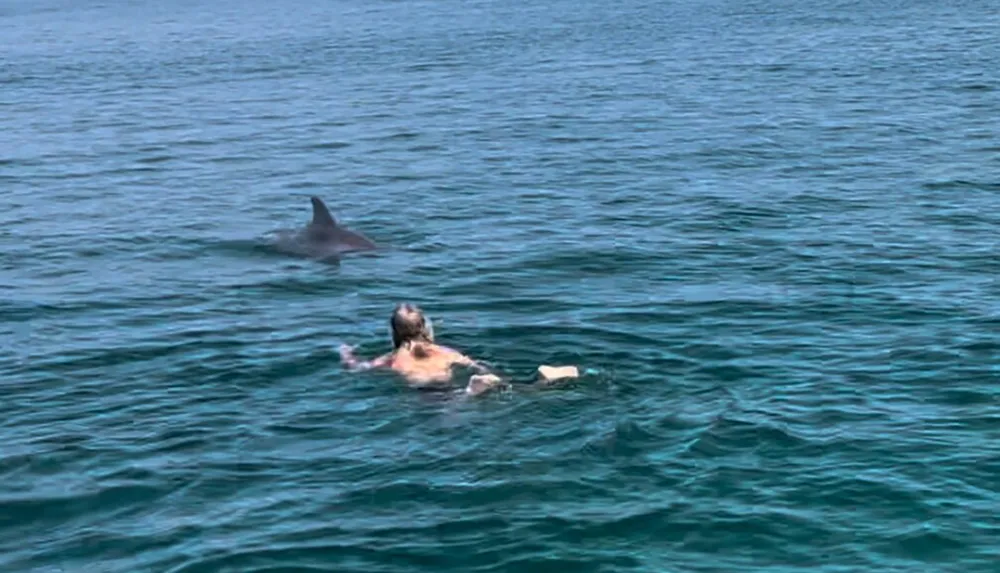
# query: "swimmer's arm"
{"points": [[479, 367], [348, 359]]}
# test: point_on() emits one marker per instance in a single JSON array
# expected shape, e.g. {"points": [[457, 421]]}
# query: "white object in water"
{"points": [[553, 373]]}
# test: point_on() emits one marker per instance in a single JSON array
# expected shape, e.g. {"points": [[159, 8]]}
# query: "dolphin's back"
{"points": [[323, 237]]}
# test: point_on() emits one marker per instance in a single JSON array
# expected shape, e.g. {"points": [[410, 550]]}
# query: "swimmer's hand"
{"points": [[482, 383], [348, 359], [346, 354]]}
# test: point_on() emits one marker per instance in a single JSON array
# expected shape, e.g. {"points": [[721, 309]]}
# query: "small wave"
{"points": [[328, 145], [728, 435], [958, 184], [977, 87], [35, 509], [156, 159]]}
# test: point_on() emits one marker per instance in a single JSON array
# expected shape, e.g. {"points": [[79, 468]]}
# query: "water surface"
{"points": [[770, 225]]}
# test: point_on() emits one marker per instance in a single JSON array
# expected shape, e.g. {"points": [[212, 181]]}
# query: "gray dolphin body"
{"points": [[322, 238]]}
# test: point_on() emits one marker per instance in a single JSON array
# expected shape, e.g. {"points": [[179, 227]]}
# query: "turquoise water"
{"points": [[772, 226]]}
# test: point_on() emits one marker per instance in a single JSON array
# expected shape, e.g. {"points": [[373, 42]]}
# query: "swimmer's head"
{"points": [[408, 324]]}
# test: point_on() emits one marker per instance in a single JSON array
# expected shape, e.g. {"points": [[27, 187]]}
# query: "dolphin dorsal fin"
{"points": [[321, 215]]}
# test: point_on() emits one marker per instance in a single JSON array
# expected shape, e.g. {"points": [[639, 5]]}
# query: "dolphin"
{"points": [[322, 238]]}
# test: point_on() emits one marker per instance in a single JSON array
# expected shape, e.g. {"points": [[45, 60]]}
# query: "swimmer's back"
{"points": [[427, 364]]}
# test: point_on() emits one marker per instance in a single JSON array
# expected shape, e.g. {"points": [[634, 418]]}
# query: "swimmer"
{"points": [[418, 358]]}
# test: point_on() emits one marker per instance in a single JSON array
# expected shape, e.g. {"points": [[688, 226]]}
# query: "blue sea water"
{"points": [[773, 227]]}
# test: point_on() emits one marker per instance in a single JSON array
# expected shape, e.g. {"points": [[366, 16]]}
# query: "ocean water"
{"points": [[772, 227]]}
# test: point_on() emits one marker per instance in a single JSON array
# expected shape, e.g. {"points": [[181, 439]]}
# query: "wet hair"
{"points": [[410, 327]]}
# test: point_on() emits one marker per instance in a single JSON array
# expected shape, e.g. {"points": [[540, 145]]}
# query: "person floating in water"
{"points": [[426, 364], [415, 355]]}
